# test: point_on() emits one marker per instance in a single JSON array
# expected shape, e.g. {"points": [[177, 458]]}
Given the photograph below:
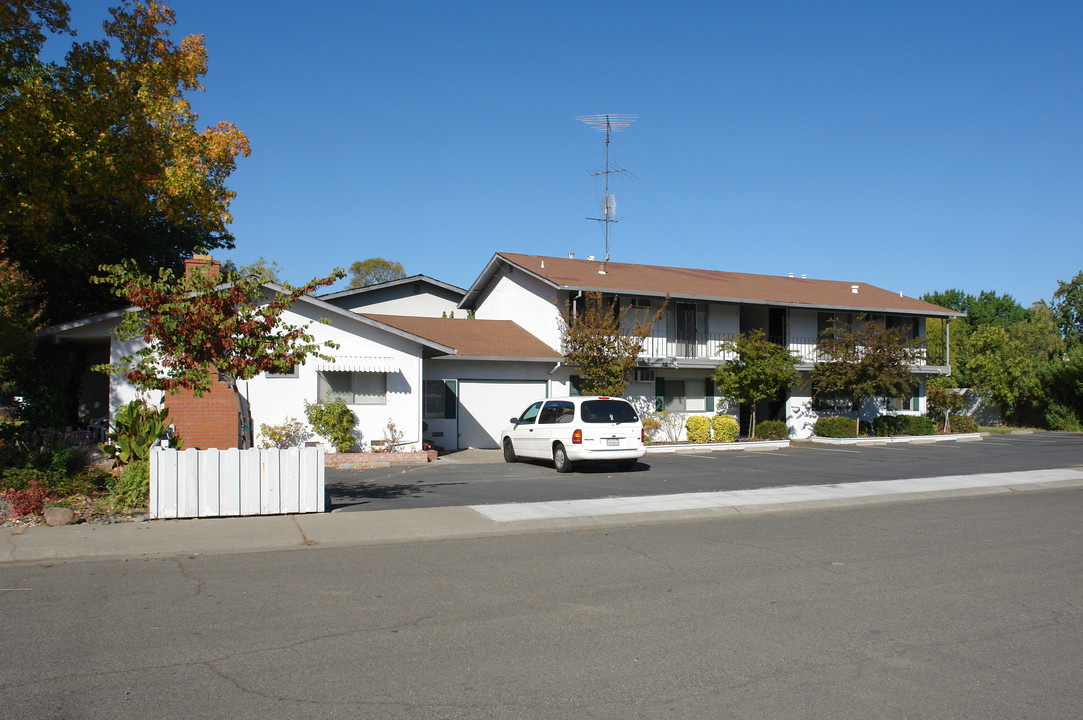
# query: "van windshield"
{"points": [[608, 411]]}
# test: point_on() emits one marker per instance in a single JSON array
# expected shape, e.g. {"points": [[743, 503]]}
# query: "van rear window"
{"points": [[607, 411]]}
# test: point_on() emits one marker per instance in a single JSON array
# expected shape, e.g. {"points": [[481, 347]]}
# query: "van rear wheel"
{"points": [[560, 459]]}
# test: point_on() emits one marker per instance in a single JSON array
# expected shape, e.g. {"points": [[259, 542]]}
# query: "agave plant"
{"points": [[136, 427]]}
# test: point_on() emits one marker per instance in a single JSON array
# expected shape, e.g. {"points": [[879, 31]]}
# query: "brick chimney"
{"points": [[204, 264]]}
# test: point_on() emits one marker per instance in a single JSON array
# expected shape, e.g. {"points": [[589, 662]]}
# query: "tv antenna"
{"points": [[608, 124]]}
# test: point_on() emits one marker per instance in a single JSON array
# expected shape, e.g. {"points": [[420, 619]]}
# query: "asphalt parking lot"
{"points": [[479, 477]]}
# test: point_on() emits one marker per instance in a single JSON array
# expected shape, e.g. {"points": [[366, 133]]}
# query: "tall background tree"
{"points": [[375, 270], [602, 341], [100, 157], [760, 370]]}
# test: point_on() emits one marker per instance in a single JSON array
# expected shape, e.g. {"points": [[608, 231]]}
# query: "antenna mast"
{"points": [[608, 124]]}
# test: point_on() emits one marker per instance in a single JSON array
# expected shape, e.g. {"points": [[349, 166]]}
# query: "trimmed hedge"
{"points": [[962, 424], [772, 430], [835, 427], [888, 425], [697, 429], [725, 428]]}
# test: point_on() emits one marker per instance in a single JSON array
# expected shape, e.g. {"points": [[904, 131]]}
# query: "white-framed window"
{"points": [[356, 388], [291, 374]]}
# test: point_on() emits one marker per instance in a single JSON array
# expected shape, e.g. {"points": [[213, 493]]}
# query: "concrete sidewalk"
{"points": [[216, 536]]}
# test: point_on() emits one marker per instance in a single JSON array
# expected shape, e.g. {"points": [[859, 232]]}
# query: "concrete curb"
{"points": [[894, 439], [223, 536], [719, 447]]}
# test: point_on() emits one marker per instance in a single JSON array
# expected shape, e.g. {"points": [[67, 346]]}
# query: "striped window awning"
{"points": [[359, 363]]}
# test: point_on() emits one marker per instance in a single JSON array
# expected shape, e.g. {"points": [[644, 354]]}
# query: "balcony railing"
{"points": [[711, 346]]}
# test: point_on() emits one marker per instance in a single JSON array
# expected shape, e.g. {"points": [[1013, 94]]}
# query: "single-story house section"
{"points": [[417, 295], [497, 369]]}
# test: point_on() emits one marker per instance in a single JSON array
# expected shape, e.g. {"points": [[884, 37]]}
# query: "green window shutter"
{"points": [[659, 394], [450, 398], [708, 396]]}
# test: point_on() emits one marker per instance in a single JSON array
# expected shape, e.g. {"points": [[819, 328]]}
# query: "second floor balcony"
{"points": [[710, 349]]}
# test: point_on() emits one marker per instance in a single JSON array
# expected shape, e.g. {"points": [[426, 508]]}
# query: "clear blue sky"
{"points": [[912, 145]]}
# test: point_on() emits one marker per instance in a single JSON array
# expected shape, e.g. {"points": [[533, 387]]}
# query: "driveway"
{"points": [[481, 477]]}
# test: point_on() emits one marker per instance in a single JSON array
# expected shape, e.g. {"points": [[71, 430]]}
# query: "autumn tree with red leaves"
{"points": [[195, 328]]}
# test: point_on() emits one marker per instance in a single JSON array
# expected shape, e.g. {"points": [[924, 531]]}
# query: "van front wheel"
{"points": [[560, 459], [509, 451]]}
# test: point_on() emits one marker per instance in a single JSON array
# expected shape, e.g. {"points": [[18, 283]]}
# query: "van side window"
{"points": [[558, 411], [530, 414]]}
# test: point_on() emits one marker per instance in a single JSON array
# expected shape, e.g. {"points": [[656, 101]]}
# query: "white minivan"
{"points": [[573, 429]]}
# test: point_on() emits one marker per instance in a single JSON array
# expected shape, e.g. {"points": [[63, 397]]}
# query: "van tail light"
{"points": [[577, 437], [642, 436]]}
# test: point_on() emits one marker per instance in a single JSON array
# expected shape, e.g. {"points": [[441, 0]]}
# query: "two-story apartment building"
{"points": [[704, 308], [455, 381]]}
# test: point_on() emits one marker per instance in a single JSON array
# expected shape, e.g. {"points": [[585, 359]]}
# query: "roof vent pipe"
{"points": [[571, 256], [853, 289], [791, 274], [804, 276]]}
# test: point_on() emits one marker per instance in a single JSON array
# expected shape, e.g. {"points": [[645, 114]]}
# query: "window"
{"points": [[356, 388], [440, 399], [691, 395], [607, 411], [675, 397], [826, 320], [903, 403], [292, 373], [530, 414], [557, 411]]}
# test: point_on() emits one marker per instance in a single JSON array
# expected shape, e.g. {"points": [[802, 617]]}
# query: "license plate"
{"points": [[612, 442]]}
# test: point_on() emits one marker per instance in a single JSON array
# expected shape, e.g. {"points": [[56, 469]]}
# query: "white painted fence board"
{"points": [[188, 483], [167, 485], [307, 501], [220, 483], [290, 480], [270, 482], [155, 463], [208, 482], [250, 492], [229, 483]]}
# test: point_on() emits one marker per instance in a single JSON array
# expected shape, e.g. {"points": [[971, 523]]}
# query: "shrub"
{"points": [[916, 425], [1062, 417], [885, 426], [651, 425], [130, 488], [29, 500], [136, 427], [392, 437], [291, 433], [697, 429], [64, 451], [334, 421], [772, 430], [725, 428], [835, 427], [670, 425], [963, 424]]}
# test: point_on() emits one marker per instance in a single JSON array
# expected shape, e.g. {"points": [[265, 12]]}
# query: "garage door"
{"points": [[484, 408]]}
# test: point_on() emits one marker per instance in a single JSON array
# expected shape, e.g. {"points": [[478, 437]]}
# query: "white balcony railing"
{"points": [[711, 347]]}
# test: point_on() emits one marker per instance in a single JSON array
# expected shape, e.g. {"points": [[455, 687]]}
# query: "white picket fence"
{"points": [[225, 483]]}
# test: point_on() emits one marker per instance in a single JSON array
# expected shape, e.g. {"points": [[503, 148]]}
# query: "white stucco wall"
{"points": [[526, 300], [420, 305], [273, 400]]}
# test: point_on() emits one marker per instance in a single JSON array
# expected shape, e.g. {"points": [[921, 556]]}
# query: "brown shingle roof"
{"points": [[473, 338], [576, 274]]}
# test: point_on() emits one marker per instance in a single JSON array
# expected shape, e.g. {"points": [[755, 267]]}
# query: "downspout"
{"points": [[549, 390]]}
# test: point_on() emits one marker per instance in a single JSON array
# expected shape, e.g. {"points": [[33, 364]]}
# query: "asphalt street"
{"points": [[444, 483], [946, 608]]}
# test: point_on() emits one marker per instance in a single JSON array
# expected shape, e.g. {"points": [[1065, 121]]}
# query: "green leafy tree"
{"points": [[375, 270], [100, 157], [192, 326], [1068, 308], [760, 370], [603, 342], [1010, 363], [262, 269], [862, 361]]}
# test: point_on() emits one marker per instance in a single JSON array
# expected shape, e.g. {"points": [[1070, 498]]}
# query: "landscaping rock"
{"points": [[59, 516]]}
